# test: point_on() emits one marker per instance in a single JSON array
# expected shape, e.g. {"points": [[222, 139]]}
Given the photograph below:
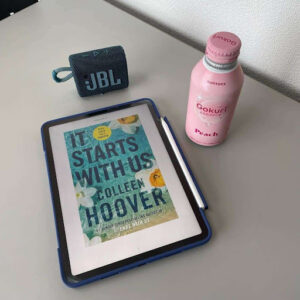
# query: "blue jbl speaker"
{"points": [[97, 71]]}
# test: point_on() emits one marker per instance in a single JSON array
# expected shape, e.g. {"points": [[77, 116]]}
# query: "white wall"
{"points": [[269, 30]]}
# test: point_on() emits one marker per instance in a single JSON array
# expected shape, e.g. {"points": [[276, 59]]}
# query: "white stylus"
{"points": [[182, 163]]}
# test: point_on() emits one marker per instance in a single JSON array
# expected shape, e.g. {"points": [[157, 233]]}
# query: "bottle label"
{"points": [[210, 112]]}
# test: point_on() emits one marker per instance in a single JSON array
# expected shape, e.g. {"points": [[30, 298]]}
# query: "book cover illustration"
{"points": [[118, 185]]}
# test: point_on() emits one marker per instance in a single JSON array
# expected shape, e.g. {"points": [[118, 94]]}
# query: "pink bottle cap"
{"points": [[223, 47]]}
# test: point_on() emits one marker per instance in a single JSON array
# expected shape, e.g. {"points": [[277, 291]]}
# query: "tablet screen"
{"points": [[119, 192]]}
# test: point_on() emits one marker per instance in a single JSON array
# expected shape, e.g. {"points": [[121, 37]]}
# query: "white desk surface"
{"points": [[251, 182]]}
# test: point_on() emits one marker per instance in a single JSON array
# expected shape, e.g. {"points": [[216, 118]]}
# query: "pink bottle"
{"points": [[216, 82]]}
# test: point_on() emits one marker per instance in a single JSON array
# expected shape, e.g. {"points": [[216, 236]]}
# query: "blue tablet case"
{"points": [[153, 258]]}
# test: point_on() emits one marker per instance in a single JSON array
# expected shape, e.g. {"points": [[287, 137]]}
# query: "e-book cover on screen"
{"points": [[118, 186]]}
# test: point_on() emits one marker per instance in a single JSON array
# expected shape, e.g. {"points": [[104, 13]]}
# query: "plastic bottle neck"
{"points": [[217, 67]]}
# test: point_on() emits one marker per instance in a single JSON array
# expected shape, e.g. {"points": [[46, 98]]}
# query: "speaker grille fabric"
{"points": [[99, 71]]}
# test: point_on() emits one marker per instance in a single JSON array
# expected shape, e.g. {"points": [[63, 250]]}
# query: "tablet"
{"points": [[120, 196]]}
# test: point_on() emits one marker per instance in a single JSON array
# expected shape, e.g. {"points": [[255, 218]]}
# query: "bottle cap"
{"points": [[223, 47]]}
